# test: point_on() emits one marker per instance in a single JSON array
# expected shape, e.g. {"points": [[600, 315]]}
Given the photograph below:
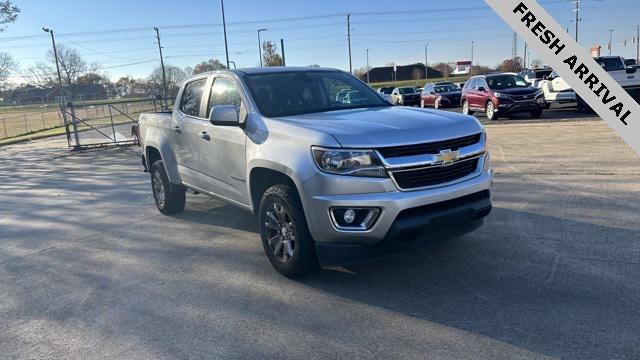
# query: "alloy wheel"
{"points": [[490, 110], [158, 189], [280, 232]]}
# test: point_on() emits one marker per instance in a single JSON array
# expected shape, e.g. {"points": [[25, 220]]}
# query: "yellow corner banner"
{"points": [[587, 78]]}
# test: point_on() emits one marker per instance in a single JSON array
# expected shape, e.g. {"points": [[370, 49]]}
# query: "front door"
{"points": [[222, 156]]}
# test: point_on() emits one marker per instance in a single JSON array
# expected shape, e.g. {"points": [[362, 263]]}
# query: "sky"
{"points": [[118, 35]]}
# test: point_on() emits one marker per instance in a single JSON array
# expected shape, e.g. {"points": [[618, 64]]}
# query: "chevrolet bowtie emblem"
{"points": [[447, 157]]}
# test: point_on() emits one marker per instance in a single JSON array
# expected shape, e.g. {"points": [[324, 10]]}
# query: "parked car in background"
{"points": [[440, 94], [331, 183], [626, 76], [405, 95], [501, 95], [536, 76], [556, 90], [387, 90], [341, 95], [630, 62]]}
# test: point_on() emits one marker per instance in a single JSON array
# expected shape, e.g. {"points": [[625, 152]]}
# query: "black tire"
{"points": [[583, 106], [465, 108], [490, 111], [536, 113], [174, 198], [302, 260]]}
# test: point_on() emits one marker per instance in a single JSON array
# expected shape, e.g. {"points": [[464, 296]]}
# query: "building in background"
{"points": [[595, 50], [463, 67], [400, 73]]}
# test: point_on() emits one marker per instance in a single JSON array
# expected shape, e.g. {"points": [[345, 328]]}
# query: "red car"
{"points": [[440, 94], [501, 95]]}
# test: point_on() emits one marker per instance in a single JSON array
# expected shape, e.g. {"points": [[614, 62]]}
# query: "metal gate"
{"points": [[107, 123]]}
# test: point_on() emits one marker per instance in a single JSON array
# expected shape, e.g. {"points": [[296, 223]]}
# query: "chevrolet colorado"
{"points": [[331, 181]]}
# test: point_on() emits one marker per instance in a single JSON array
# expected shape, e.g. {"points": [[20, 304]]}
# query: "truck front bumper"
{"points": [[407, 219]]}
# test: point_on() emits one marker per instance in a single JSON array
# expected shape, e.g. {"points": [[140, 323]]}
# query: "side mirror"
{"points": [[432, 93], [224, 115], [482, 89], [631, 69]]}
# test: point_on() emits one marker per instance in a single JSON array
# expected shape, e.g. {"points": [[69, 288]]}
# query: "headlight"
{"points": [[349, 162], [502, 96], [487, 162]]}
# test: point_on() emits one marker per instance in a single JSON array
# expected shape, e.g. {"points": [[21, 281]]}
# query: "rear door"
{"points": [[186, 124], [222, 152], [482, 91], [471, 92]]}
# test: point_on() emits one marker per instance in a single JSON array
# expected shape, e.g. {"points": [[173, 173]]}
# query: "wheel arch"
{"points": [[263, 177], [154, 151]]}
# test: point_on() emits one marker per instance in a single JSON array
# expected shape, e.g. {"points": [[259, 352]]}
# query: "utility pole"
{"points": [[524, 56], [577, 11], [164, 74], [610, 41], [426, 62], [367, 66], [224, 29], [514, 46], [260, 45], [282, 50], [349, 41]]}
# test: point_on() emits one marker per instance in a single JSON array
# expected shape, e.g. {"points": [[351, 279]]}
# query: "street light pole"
{"points": [[260, 45], [349, 41], [55, 55], [610, 41], [472, 43], [224, 29], [367, 66], [426, 62]]}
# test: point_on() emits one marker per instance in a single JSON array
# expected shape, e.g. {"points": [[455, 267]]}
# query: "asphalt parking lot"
{"points": [[90, 269]]}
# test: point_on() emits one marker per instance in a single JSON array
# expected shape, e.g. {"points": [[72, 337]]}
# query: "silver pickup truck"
{"points": [[331, 181]]}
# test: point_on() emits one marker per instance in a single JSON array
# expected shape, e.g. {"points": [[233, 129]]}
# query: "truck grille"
{"points": [[429, 148], [434, 175]]}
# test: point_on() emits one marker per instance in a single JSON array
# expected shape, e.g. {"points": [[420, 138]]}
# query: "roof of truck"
{"points": [[279, 69]]}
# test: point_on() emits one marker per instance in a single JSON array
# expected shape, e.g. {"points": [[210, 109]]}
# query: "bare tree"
{"points": [[72, 67], [480, 70], [417, 74], [445, 68], [536, 63], [7, 64], [8, 13], [270, 56], [175, 76], [209, 65]]}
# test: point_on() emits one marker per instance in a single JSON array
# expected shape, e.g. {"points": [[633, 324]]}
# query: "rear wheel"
{"points": [[170, 199], [491, 111], [436, 103], [284, 232], [465, 108]]}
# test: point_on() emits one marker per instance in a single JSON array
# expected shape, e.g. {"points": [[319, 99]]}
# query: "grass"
{"points": [[418, 83], [34, 135]]}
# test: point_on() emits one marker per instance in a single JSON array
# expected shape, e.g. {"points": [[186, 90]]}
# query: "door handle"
{"points": [[204, 135], [177, 129]]}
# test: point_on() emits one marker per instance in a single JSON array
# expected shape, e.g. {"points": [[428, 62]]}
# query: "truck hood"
{"points": [[388, 126]]}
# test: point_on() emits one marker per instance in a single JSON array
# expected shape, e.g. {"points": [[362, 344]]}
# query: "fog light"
{"points": [[354, 219], [349, 216]]}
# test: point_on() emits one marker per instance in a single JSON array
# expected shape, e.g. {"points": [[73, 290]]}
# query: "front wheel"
{"points": [[422, 104], [536, 113], [436, 104], [284, 232], [170, 199]]}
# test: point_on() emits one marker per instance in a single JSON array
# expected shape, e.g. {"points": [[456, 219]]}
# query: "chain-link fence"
{"points": [[14, 124]]}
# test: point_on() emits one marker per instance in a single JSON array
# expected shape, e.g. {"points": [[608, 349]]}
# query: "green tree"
{"points": [[270, 56]]}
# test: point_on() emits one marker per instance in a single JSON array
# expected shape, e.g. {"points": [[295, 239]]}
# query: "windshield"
{"points": [[610, 64], [292, 93], [406, 90], [445, 88], [506, 82], [386, 90]]}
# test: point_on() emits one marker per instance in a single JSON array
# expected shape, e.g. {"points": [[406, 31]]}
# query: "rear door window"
{"points": [[192, 97]]}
